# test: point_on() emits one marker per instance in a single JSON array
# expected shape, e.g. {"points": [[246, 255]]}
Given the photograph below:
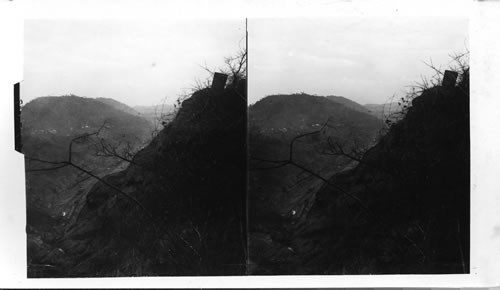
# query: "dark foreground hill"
{"points": [[49, 125], [403, 209], [178, 209]]}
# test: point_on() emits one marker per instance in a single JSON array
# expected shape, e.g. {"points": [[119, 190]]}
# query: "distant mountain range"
{"points": [[348, 103], [118, 105], [157, 113], [384, 111]]}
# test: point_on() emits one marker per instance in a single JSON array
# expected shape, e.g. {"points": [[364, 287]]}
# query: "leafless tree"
{"points": [[291, 161], [459, 63], [353, 151], [123, 151], [234, 66]]}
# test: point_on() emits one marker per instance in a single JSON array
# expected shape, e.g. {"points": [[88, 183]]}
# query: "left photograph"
{"points": [[134, 137]]}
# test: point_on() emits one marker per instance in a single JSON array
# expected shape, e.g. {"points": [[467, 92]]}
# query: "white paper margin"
{"points": [[485, 121]]}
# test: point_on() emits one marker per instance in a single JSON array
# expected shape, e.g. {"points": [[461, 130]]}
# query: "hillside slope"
{"points": [[190, 182], [403, 209], [281, 196], [49, 125], [275, 120], [70, 115]]}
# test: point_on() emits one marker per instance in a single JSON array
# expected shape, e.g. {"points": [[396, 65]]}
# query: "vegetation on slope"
{"points": [[403, 209], [281, 193], [191, 184], [53, 196]]}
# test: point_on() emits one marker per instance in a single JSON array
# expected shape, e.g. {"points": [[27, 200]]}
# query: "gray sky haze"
{"points": [[365, 59], [138, 62]]}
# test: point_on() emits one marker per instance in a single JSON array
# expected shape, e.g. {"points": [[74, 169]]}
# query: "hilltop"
{"points": [[302, 112], [70, 115]]}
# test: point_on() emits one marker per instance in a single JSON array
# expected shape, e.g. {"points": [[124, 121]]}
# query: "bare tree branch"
{"points": [[291, 161], [69, 162], [82, 137], [47, 168], [105, 149], [133, 199]]}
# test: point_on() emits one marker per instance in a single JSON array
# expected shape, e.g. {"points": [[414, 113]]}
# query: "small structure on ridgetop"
{"points": [[449, 79], [219, 81]]}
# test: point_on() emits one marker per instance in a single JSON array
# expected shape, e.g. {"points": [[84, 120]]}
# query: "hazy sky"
{"points": [[135, 62], [364, 59], [141, 62]]}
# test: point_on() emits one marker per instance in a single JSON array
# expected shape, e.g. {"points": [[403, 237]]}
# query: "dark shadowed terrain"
{"points": [[402, 208], [54, 196], [282, 195], [177, 209], [294, 185]]}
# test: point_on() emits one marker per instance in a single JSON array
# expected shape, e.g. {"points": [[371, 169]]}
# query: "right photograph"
{"points": [[359, 146]]}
